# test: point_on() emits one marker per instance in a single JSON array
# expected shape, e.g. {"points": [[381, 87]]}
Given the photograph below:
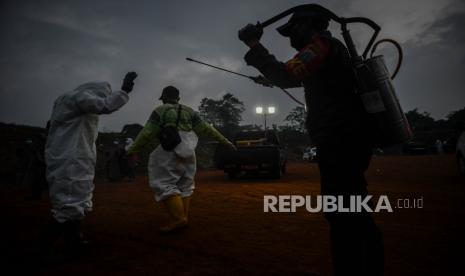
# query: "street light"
{"points": [[269, 110]]}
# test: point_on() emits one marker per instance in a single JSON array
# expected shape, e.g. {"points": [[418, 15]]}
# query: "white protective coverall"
{"points": [[173, 172], [70, 150]]}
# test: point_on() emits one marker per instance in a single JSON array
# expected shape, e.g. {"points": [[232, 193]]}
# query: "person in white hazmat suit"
{"points": [[172, 172], [70, 154]]}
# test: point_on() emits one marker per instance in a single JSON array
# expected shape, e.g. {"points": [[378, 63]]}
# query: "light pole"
{"points": [[268, 111]]}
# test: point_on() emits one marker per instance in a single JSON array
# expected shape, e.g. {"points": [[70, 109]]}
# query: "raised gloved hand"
{"points": [[128, 82], [262, 80], [251, 34]]}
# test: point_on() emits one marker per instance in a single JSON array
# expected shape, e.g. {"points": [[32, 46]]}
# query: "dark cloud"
{"points": [[50, 47], [432, 77]]}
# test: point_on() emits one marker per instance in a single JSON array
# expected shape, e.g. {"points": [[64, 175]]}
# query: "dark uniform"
{"points": [[337, 125]]}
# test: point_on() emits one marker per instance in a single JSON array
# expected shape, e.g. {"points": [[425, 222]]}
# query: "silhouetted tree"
{"points": [[456, 119], [420, 121], [225, 113], [296, 119]]}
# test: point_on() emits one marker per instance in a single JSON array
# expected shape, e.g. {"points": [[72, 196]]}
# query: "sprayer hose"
{"points": [[399, 50], [292, 97]]}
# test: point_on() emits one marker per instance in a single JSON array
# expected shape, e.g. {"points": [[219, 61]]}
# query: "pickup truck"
{"points": [[257, 151]]}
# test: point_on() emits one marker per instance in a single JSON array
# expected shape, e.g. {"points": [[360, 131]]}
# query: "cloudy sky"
{"points": [[50, 47]]}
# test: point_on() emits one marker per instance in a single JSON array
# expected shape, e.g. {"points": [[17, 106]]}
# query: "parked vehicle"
{"points": [[309, 154], [415, 148], [257, 151]]}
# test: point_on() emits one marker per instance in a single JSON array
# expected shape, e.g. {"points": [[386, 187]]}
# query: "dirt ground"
{"points": [[230, 234]]}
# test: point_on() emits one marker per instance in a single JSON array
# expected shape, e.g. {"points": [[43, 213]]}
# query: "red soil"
{"points": [[230, 234]]}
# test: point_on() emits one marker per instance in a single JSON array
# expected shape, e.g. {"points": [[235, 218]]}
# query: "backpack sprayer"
{"points": [[374, 85]]}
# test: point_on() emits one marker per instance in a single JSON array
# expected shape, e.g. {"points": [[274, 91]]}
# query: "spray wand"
{"points": [[258, 79]]}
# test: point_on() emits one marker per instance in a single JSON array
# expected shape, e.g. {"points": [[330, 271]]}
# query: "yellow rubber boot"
{"points": [[175, 208], [186, 201]]}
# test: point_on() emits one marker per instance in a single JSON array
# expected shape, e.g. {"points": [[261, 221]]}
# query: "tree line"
{"points": [[225, 114]]}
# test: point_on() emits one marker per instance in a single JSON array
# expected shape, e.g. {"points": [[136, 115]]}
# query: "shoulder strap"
{"points": [[179, 115], [163, 117]]}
